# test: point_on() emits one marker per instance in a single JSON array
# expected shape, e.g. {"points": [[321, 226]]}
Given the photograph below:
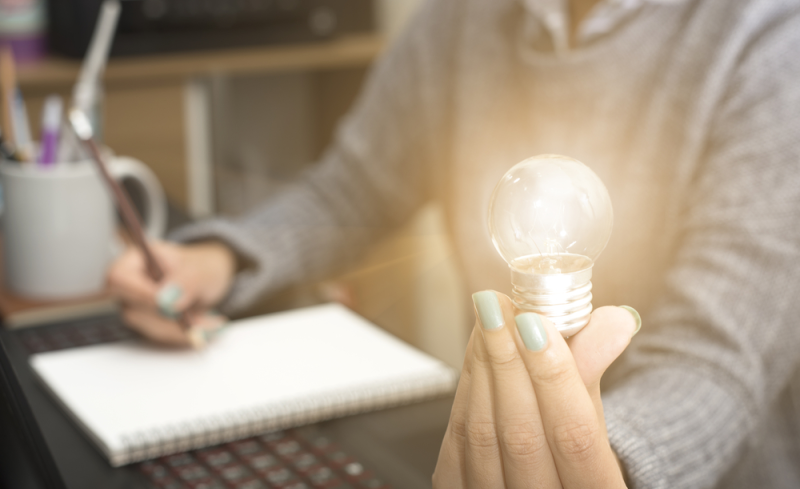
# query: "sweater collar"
{"points": [[553, 16]]}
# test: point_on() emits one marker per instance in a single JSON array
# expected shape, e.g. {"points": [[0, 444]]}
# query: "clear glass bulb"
{"points": [[550, 217]]}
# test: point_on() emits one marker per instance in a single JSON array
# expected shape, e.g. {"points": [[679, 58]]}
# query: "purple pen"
{"points": [[51, 129]]}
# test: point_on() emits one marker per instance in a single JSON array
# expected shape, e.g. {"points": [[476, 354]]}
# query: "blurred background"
{"points": [[229, 100]]}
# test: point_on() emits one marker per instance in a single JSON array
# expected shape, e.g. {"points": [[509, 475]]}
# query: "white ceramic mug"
{"points": [[59, 224]]}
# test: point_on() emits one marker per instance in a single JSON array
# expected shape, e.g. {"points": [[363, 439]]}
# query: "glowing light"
{"points": [[551, 215]]}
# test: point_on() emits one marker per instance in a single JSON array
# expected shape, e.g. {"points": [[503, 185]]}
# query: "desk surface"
{"points": [[401, 445], [346, 51]]}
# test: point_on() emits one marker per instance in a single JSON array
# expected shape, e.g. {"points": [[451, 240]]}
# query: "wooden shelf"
{"points": [[354, 50], [145, 97]]}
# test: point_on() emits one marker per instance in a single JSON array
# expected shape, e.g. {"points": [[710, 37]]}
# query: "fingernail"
{"points": [[197, 337], [489, 312], [636, 316], [206, 331], [166, 299], [210, 334], [532, 331]]}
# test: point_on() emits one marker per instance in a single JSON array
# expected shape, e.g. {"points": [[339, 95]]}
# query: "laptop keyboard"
{"points": [[72, 335], [293, 459]]}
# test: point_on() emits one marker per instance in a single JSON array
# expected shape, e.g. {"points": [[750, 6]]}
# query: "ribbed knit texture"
{"points": [[690, 113]]}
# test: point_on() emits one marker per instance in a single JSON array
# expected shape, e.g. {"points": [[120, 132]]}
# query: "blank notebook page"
{"points": [[266, 367]]}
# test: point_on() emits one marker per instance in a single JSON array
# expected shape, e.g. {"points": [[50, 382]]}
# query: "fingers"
{"points": [[169, 332], [526, 458], [128, 280], [574, 432], [449, 472], [482, 463], [196, 277], [155, 327]]}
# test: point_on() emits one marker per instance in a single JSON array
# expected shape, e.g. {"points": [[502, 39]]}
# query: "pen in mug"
{"points": [[8, 85], [22, 128], [51, 129], [15, 115]]}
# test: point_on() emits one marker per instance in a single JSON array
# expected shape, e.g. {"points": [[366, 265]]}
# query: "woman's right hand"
{"points": [[197, 277]]}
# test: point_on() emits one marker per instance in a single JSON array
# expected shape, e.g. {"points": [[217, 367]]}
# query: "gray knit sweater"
{"points": [[688, 110]]}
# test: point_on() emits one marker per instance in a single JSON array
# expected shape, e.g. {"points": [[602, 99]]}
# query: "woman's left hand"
{"points": [[527, 412]]}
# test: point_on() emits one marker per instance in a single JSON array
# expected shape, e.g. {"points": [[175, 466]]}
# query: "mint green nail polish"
{"points": [[636, 316], [166, 299], [532, 331], [210, 334], [489, 311]]}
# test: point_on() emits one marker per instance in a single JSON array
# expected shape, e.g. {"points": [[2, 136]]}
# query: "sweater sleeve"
{"points": [[381, 166], [722, 342]]}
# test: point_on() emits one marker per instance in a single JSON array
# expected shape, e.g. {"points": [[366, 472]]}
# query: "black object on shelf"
{"points": [[160, 26]]}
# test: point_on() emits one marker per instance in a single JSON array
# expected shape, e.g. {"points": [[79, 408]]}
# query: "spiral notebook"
{"points": [[138, 401]]}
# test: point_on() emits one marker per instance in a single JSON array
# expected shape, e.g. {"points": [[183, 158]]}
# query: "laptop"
{"points": [[395, 448], [24, 458]]}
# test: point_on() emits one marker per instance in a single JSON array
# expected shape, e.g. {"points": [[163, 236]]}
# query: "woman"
{"points": [[687, 110]]}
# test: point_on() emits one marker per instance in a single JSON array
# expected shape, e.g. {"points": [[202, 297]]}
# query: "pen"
{"points": [[7, 89], [22, 128], [69, 148], [82, 128], [15, 116], [51, 128]]}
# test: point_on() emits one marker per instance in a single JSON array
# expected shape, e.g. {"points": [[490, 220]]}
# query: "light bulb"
{"points": [[550, 217]]}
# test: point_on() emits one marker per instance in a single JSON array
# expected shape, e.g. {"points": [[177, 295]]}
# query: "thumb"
{"points": [[597, 345]]}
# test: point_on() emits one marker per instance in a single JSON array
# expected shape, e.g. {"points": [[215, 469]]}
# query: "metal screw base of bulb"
{"points": [[563, 298]]}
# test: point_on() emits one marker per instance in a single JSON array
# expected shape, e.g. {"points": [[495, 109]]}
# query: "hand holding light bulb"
{"points": [[550, 217], [528, 411]]}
